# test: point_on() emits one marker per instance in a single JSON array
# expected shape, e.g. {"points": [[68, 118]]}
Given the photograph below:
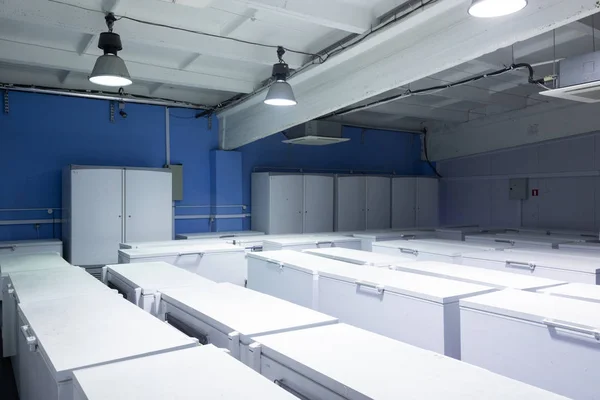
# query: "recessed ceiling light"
{"points": [[495, 8]]}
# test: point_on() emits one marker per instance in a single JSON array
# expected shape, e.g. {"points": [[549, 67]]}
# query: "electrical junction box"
{"points": [[177, 172], [518, 189]]}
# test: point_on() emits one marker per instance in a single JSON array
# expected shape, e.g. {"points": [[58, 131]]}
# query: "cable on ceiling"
{"points": [[425, 145]]}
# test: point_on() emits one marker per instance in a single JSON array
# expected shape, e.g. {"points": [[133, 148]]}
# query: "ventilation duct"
{"points": [[315, 133], [578, 79]]}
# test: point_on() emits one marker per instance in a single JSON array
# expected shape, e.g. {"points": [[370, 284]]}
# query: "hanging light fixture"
{"points": [[280, 92], [495, 8], [110, 69]]}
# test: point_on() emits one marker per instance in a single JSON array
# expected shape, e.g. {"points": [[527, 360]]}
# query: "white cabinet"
{"points": [[546, 341], [104, 206], [362, 202], [288, 203], [415, 202]]}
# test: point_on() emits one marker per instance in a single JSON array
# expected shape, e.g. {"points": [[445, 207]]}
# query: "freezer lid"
{"points": [[184, 249], [219, 235], [29, 243], [300, 261], [535, 239], [487, 277], [358, 256], [552, 311], [168, 243], [393, 235], [315, 239], [231, 308], [580, 246], [153, 276], [439, 248], [84, 331], [245, 241], [30, 262], [579, 291], [408, 284], [534, 259], [55, 283], [364, 365], [205, 372]]}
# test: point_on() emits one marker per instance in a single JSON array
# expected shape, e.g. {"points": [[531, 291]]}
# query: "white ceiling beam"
{"points": [[27, 54], [403, 109], [410, 50], [189, 61], [63, 76], [46, 13], [238, 22], [89, 42], [330, 13], [531, 125]]}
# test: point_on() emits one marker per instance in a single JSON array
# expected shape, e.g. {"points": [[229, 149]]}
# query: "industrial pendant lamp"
{"points": [[280, 92], [110, 69], [495, 8]]}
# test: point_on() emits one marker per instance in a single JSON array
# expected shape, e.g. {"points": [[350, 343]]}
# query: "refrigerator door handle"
{"points": [[512, 243], [11, 248], [519, 264], [190, 253], [281, 383], [320, 243], [409, 251], [380, 288], [279, 264], [29, 338], [586, 330], [226, 237]]}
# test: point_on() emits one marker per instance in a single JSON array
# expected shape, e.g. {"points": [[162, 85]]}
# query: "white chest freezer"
{"points": [[367, 238], [341, 362], [217, 235], [167, 243], [229, 316], [459, 233], [552, 266], [312, 242], [416, 309], [30, 262], [141, 282], [586, 249], [255, 243], [359, 257], [291, 275], [21, 247], [517, 240], [481, 276], [578, 291], [217, 262], [59, 336], [550, 342], [202, 373], [42, 285], [417, 250]]}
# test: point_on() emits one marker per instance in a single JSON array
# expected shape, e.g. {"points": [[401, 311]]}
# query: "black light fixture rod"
{"points": [[110, 21]]}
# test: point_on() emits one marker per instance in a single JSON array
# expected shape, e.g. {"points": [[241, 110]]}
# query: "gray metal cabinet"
{"points": [[362, 202]]}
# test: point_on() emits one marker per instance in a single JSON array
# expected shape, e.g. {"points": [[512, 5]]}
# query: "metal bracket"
{"points": [[6, 104]]}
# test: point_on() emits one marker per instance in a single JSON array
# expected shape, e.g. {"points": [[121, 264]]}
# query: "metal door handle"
{"points": [[408, 237], [330, 243], [586, 330], [226, 236], [380, 288], [512, 243], [518, 264], [29, 338], [279, 264], [11, 248], [186, 329], [284, 386], [189, 253], [409, 251], [255, 248]]}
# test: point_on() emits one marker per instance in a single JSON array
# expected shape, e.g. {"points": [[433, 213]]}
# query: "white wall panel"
{"points": [[514, 162], [567, 155]]}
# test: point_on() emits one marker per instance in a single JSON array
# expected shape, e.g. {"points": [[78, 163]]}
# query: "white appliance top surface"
{"points": [[434, 247], [581, 291], [185, 249], [415, 285], [358, 256], [31, 262], [90, 330], [305, 262], [580, 246], [550, 239], [462, 229], [488, 277], [381, 368], [312, 239], [166, 243], [219, 235], [55, 283], [152, 276], [198, 373], [542, 259], [393, 234], [536, 307], [257, 240], [29, 243], [233, 308]]}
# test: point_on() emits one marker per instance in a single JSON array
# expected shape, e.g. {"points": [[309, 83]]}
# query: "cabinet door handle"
{"points": [[586, 330]]}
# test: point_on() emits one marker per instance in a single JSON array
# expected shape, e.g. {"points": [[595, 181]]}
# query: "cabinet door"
{"points": [[427, 203], [148, 206], [96, 216], [286, 204], [404, 202], [318, 203], [379, 200], [351, 200]]}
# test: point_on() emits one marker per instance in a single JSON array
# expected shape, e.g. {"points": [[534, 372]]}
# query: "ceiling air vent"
{"points": [[578, 79], [315, 133]]}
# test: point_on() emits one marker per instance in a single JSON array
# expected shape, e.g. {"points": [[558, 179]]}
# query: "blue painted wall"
{"points": [[43, 133]]}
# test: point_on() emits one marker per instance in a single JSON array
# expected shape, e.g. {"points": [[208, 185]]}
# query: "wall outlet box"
{"points": [[177, 171], [518, 189]]}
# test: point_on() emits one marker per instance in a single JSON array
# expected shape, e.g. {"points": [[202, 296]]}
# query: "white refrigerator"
{"points": [[341, 362], [547, 341], [415, 202], [105, 206]]}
